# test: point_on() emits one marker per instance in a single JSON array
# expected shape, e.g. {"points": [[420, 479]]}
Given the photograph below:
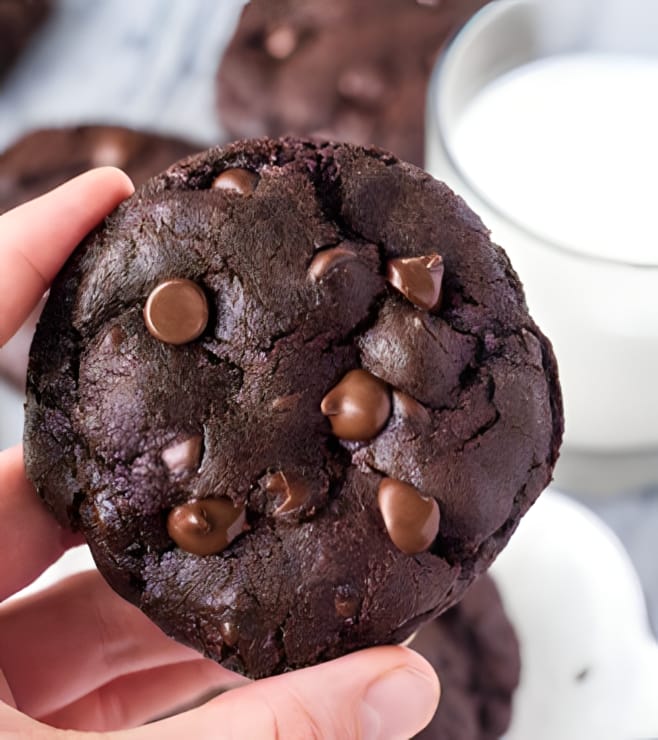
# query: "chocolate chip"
{"points": [[363, 84], [358, 407], [286, 404], [183, 456], [412, 520], [229, 632], [292, 486], [325, 262], [346, 602], [281, 42], [418, 279], [176, 312], [240, 180], [207, 526]]}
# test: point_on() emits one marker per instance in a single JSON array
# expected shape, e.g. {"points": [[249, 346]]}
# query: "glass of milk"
{"points": [[543, 115]]}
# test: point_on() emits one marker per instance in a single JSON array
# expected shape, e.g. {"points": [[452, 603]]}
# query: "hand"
{"points": [[76, 656]]}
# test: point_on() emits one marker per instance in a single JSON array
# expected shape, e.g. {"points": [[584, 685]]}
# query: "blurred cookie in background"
{"points": [[46, 158], [475, 652], [19, 19], [349, 70]]}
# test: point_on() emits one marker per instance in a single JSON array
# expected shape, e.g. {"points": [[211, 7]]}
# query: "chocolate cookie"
{"points": [[18, 21], [352, 70], [292, 396], [475, 652], [46, 158]]}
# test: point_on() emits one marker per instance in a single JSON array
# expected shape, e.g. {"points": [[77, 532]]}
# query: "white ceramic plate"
{"points": [[589, 662]]}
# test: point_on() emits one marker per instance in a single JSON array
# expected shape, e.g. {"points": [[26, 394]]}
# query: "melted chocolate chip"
{"points": [[281, 42], [418, 279], [207, 526], [183, 456], [237, 179], [412, 520], [358, 407], [325, 262], [176, 311], [292, 486]]}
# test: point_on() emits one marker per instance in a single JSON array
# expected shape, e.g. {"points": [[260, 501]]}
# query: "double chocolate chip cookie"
{"points": [[291, 394], [475, 652], [352, 70], [19, 19], [46, 158]]}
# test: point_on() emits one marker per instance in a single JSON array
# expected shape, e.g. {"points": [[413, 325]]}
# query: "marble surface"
{"points": [[151, 64], [144, 63]]}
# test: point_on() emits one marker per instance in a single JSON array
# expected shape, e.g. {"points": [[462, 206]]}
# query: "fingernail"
{"points": [[398, 705]]}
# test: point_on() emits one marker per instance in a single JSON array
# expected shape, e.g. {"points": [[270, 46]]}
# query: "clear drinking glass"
{"points": [[600, 311]]}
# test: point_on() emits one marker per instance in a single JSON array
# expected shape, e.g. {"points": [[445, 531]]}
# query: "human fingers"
{"points": [[31, 539], [139, 697], [62, 643], [385, 692], [37, 238], [14, 353], [15, 725]]}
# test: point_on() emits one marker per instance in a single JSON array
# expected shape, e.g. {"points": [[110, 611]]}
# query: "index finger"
{"points": [[38, 237], [31, 538]]}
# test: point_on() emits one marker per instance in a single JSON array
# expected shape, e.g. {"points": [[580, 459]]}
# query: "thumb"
{"points": [[385, 692]]}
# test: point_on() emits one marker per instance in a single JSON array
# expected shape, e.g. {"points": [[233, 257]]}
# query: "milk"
{"points": [[560, 159], [568, 147]]}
